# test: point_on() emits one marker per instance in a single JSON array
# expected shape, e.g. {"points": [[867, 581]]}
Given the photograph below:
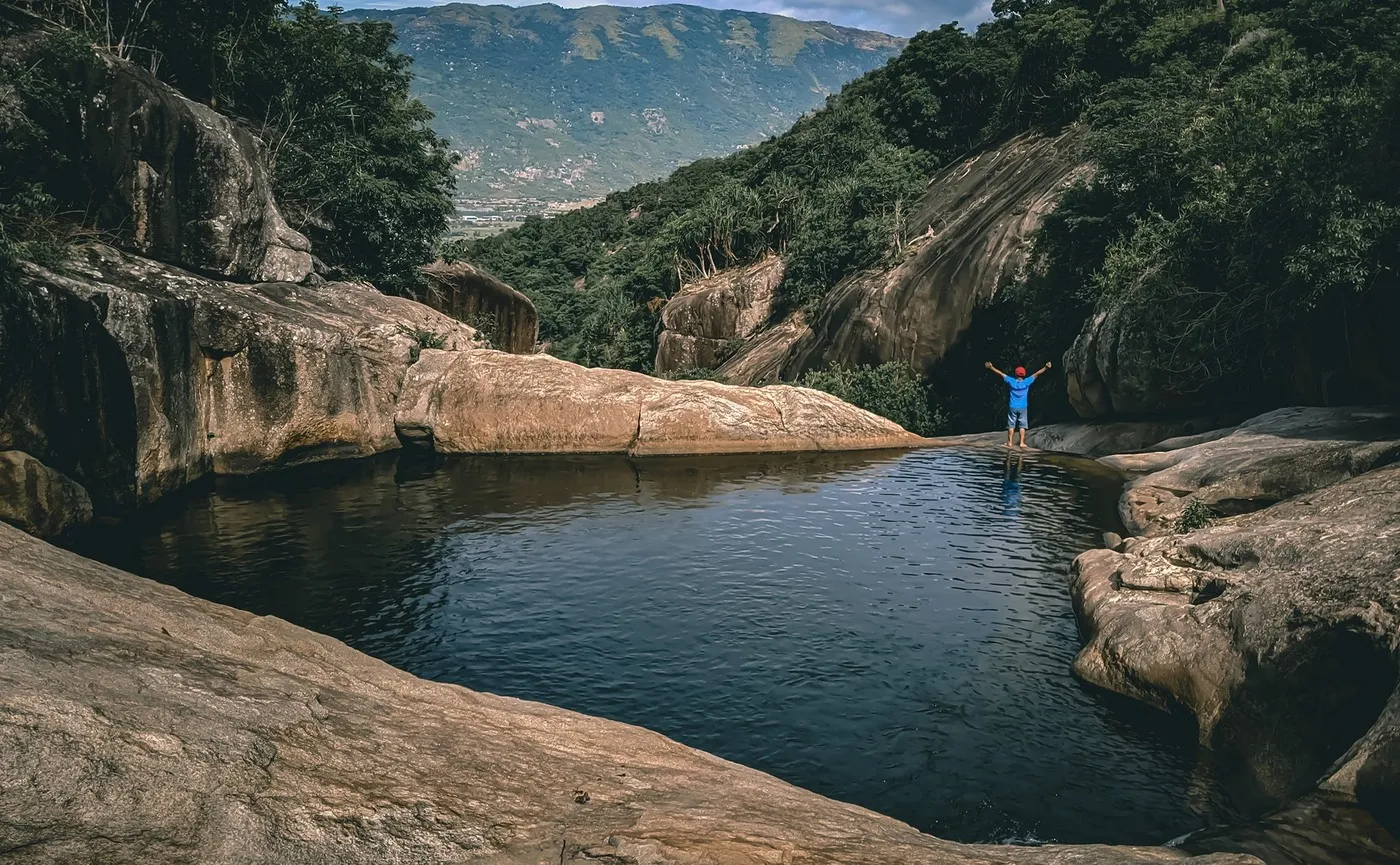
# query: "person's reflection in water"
{"points": [[1011, 486]]}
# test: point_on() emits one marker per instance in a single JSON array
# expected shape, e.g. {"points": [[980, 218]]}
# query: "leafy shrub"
{"points": [[1197, 515], [890, 390], [701, 374], [423, 338]]}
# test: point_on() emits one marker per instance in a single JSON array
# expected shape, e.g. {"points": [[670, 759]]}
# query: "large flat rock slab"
{"points": [[1094, 439], [141, 725], [480, 401]]}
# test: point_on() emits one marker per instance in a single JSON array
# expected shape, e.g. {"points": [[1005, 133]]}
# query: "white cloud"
{"points": [[900, 17]]}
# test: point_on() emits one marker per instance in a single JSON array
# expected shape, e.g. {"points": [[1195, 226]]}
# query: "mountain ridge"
{"points": [[552, 103]]}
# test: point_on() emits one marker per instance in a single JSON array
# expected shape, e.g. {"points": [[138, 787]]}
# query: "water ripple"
{"points": [[891, 630]]}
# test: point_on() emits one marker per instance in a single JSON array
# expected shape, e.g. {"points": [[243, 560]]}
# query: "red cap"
{"points": [[1020, 372]]}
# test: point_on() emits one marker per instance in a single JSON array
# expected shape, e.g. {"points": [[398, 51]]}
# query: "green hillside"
{"points": [[1243, 215], [555, 103]]}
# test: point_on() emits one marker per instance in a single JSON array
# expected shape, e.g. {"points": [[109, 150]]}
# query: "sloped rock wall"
{"points": [[470, 294], [135, 378], [977, 219]]}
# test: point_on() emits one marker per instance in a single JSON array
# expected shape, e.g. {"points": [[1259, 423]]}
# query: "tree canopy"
{"points": [[356, 164], [1246, 182]]}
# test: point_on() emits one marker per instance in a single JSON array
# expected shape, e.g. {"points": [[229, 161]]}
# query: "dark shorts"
{"points": [[1018, 417]]}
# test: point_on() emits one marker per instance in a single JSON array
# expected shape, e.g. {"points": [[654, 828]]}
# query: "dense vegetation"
{"points": [[1247, 185], [571, 104], [891, 390], [1246, 198], [356, 164]]}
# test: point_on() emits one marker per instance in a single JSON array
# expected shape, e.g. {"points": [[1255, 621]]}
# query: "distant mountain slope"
{"points": [[559, 103]]}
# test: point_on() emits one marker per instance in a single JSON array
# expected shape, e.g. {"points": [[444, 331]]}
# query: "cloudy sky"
{"points": [[900, 17]]}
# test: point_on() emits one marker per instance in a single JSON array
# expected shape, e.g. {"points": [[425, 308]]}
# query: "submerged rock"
{"points": [[141, 725], [491, 402]]}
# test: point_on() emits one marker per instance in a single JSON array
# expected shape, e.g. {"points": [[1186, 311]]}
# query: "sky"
{"points": [[898, 17]]}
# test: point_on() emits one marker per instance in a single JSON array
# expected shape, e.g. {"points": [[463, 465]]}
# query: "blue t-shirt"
{"points": [[1020, 388]]}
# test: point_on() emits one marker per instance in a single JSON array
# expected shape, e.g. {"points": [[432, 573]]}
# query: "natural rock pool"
{"points": [[891, 630]]}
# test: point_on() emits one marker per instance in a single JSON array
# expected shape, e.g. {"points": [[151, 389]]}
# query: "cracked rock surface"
{"points": [[1278, 628], [135, 378], [141, 725], [1267, 459]]}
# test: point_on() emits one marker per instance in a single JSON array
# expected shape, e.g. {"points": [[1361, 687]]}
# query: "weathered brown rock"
{"points": [[468, 293], [491, 402], [38, 499], [140, 725], [705, 318], [1106, 376], [135, 378], [1277, 629], [979, 216], [1277, 625], [177, 181], [760, 361], [1265, 460]]}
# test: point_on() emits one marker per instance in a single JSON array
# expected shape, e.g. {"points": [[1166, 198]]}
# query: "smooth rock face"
{"points": [[1277, 630], [179, 182], [705, 317], [38, 499], [1102, 379], [1270, 458], [980, 215], [169, 376], [491, 402], [140, 725], [470, 294], [762, 358]]}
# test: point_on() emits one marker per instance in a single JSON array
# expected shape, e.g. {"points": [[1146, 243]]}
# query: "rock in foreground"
{"points": [[140, 725], [491, 402], [1278, 628]]}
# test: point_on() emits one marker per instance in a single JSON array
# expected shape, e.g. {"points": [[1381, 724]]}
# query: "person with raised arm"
{"points": [[1017, 415]]}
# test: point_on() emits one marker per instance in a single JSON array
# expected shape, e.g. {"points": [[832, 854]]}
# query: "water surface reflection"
{"points": [[887, 629]]}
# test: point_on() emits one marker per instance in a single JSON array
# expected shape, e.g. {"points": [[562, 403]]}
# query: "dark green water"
{"points": [[889, 630]]}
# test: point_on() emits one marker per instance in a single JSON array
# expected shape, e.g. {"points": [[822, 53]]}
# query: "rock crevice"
{"points": [[1277, 622]]}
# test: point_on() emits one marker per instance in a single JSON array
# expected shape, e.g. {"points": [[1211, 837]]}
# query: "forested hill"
{"points": [[547, 102], [1238, 232]]}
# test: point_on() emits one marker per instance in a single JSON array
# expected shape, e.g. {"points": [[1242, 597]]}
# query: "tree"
{"points": [[356, 162]]}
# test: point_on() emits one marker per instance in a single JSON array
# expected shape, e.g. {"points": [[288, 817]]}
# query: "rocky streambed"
{"points": [[141, 725]]}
